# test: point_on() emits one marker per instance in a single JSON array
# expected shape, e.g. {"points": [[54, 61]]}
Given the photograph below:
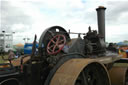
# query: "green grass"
{"points": [[1, 60], [121, 64]]}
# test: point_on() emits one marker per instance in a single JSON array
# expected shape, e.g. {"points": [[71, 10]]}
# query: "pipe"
{"points": [[101, 20]]}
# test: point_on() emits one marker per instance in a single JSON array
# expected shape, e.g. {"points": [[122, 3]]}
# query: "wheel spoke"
{"points": [[51, 46], [60, 41], [50, 49], [53, 41], [53, 50], [58, 38], [84, 79]]}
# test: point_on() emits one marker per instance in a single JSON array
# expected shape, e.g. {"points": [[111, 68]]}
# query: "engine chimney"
{"points": [[101, 20]]}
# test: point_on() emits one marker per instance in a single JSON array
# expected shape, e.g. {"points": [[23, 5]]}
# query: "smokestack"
{"points": [[101, 20]]}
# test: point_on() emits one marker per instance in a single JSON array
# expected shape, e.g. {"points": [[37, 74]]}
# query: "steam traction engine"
{"points": [[80, 61]]}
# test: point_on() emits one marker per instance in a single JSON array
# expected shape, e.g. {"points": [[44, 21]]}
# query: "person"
{"points": [[17, 54], [11, 55]]}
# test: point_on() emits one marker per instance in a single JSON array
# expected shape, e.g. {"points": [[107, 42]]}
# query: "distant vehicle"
{"points": [[123, 50], [28, 48], [6, 42]]}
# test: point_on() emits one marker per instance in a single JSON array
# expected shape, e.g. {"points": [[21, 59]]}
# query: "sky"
{"points": [[29, 17]]}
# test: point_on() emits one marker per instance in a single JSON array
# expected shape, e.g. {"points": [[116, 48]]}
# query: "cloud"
{"points": [[29, 17], [117, 11], [11, 15], [117, 33]]}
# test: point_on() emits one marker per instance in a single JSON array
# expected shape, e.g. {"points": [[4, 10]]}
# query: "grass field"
{"points": [[1, 60]]}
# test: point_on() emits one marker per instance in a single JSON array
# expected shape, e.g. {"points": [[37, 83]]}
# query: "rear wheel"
{"points": [[81, 72], [93, 74], [119, 75]]}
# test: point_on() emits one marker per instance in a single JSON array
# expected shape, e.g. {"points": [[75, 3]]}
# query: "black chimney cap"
{"points": [[100, 7]]}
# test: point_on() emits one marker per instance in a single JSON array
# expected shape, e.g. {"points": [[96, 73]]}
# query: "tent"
{"points": [[19, 45], [122, 43]]}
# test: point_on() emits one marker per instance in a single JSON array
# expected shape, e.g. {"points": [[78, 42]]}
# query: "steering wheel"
{"points": [[56, 44]]}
